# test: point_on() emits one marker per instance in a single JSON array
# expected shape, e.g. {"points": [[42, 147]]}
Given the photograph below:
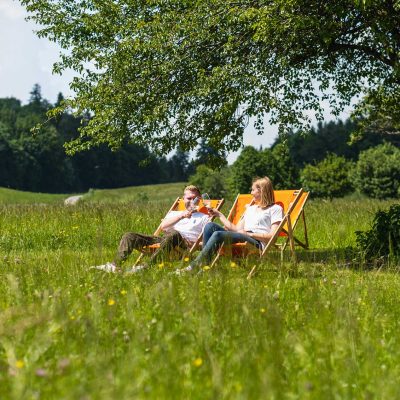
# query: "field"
{"points": [[326, 329]]}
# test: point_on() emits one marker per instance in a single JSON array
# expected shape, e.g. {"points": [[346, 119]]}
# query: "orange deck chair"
{"points": [[179, 205], [292, 202]]}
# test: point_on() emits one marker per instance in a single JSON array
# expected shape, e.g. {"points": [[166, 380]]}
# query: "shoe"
{"points": [[137, 268], [108, 267], [187, 270]]}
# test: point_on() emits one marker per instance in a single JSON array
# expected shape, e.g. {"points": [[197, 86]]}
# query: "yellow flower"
{"points": [[111, 302], [19, 364], [197, 362], [206, 268], [123, 292], [233, 264], [161, 265], [186, 259], [262, 310]]}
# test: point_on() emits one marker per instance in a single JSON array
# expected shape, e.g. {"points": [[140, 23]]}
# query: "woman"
{"points": [[257, 226]]}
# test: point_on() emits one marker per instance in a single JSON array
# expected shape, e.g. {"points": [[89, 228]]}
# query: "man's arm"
{"points": [[169, 222]]}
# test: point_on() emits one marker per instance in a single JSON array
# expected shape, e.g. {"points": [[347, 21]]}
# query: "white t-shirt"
{"points": [[260, 220], [189, 228]]}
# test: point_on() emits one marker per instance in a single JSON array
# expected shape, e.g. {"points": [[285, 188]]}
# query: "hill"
{"points": [[160, 192]]}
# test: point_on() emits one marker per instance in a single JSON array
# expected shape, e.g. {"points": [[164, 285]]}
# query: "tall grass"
{"points": [[321, 331]]}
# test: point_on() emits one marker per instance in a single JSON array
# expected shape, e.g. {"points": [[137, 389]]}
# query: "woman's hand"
{"points": [[213, 212]]}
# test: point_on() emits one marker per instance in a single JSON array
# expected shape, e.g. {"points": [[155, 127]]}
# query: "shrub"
{"points": [[383, 238], [329, 178], [377, 173], [211, 181]]}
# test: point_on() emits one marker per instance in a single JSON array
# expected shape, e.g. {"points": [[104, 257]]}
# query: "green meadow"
{"points": [[327, 328]]}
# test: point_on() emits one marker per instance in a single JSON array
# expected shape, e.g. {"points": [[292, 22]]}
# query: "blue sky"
{"points": [[26, 60]]}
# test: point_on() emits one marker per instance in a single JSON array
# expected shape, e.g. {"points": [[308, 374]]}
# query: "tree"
{"points": [[274, 163], [377, 172], [167, 73], [334, 137], [211, 181], [39, 163], [207, 155], [329, 178]]}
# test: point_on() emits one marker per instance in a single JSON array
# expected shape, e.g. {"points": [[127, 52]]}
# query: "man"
{"points": [[181, 229]]}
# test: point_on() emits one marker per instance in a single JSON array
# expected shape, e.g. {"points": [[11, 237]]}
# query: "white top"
{"points": [[260, 220], [189, 228]]}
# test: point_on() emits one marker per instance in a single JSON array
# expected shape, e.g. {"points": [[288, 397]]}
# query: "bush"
{"points": [[329, 178], [383, 239], [377, 173], [211, 181]]}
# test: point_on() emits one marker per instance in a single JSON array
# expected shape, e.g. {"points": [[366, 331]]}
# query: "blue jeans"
{"points": [[213, 237]]}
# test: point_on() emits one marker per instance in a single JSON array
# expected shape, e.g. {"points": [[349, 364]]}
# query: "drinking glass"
{"points": [[206, 200], [194, 204]]}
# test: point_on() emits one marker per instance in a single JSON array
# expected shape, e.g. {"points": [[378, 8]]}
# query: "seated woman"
{"points": [[257, 226]]}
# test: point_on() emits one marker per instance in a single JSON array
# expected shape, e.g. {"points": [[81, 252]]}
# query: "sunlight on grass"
{"points": [[320, 330]]}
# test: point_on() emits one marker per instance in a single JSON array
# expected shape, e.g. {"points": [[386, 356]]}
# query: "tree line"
{"points": [[38, 162], [325, 160]]}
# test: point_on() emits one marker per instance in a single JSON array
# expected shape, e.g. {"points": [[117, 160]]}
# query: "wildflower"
{"points": [[41, 372], [19, 364], [161, 265], [111, 302], [123, 292], [233, 264], [64, 363], [198, 362], [262, 310], [186, 259], [206, 268]]}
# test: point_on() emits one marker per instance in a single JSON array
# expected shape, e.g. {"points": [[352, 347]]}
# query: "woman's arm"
{"points": [[228, 225], [264, 237]]}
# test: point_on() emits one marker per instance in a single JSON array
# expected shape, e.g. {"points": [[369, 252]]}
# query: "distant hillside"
{"points": [[160, 192]]}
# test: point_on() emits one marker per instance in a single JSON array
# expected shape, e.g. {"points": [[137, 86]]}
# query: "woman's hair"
{"points": [[266, 190]]}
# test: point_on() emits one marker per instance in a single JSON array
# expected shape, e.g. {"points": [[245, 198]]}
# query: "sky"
{"points": [[25, 60]]}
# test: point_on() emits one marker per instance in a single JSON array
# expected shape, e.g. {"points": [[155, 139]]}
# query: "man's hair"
{"points": [[192, 188]]}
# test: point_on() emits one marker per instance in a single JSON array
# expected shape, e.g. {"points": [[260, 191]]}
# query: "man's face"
{"points": [[188, 196]]}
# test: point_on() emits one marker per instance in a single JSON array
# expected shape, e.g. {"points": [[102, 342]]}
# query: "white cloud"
{"points": [[12, 10]]}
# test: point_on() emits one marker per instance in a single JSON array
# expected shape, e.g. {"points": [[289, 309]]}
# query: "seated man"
{"points": [[181, 229]]}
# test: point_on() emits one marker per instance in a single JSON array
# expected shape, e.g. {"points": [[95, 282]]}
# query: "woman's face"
{"points": [[256, 193]]}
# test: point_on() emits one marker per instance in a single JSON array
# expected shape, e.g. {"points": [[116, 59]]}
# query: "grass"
{"points": [[318, 331], [11, 196]]}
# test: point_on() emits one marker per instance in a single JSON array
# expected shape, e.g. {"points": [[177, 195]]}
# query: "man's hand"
{"points": [[186, 214]]}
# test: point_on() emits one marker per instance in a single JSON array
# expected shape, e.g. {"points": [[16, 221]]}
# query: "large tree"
{"points": [[166, 73]]}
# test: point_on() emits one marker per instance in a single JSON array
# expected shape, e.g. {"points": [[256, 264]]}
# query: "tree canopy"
{"points": [[167, 73]]}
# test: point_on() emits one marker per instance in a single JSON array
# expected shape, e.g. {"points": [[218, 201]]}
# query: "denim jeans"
{"points": [[214, 236]]}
